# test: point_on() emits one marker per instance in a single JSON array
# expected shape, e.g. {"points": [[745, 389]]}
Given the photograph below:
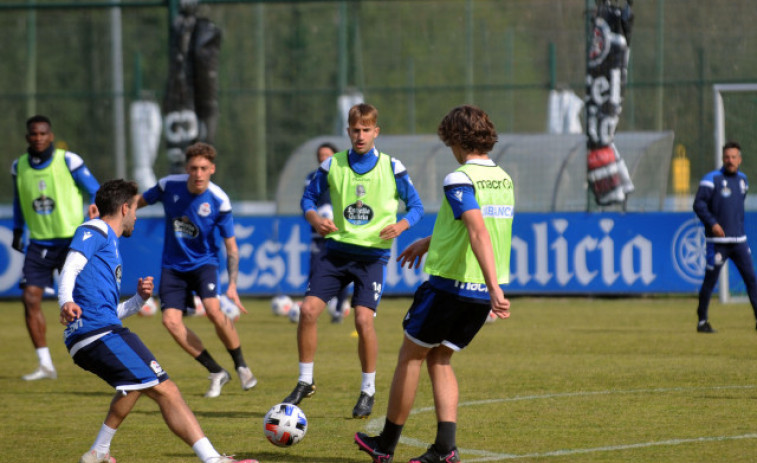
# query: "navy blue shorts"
{"points": [[40, 263], [121, 360], [438, 318], [330, 274], [176, 287]]}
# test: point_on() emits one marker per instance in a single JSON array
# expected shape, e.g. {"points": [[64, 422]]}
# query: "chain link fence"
{"points": [[283, 66]]}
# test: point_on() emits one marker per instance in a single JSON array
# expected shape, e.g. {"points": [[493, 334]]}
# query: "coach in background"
{"points": [[719, 204], [47, 197]]}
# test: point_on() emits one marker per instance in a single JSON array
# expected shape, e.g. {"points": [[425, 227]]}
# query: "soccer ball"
{"points": [[149, 308], [285, 425], [229, 308], [294, 312], [491, 318], [346, 307], [281, 304]]}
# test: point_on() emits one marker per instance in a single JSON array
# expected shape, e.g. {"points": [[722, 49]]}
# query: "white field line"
{"points": [[375, 425]]}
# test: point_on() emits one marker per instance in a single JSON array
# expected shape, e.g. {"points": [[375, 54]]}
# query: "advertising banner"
{"points": [[552, 254]]}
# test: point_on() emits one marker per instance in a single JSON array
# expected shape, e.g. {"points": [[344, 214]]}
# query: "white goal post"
{"points": [[719, 114]]}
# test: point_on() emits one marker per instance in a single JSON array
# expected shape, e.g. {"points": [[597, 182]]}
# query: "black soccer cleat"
{"points": [[369, 445], [364, 406], [432, 456], [301, 391], [705, 327]]}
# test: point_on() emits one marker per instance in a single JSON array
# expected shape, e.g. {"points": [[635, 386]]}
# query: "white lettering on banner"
{"points": [[542, 274], [520, 251], [607, 248], [560, 247], [10, 277], [294, 249], [583, 274], [270, 264], [635, 257], [645, 273]]}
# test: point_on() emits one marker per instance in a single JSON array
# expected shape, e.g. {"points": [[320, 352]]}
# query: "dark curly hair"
{"points": [[468, 127]]}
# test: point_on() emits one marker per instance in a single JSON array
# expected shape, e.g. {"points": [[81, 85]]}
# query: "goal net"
{"points": [[734, 109]]}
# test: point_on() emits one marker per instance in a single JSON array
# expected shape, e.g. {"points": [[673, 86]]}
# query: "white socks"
{"points": [[102, 441], [205, 450], [43, 354], [369, 383], [306, 373]]}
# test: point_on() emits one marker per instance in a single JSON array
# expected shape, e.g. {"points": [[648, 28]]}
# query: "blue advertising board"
{"points": [[552, 253]]}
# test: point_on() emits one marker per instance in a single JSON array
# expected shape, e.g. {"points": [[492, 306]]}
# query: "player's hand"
{"points": [[145, 286], [325, 226], [232, 294], [69, 312], [394, 230], [412, 254], [499, 303], [717, 230], [18, 240]]}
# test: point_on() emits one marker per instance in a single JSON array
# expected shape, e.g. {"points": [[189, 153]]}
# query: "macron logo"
{"points": [[87, 235]]}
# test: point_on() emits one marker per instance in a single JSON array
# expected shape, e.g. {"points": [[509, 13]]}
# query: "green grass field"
{"points": [[563, 380]]}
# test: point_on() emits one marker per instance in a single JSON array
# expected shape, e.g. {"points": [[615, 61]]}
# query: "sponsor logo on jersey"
{"points": [[358, 213], [497, 212], [43, 205], [119, 274], [505, 184], [183, 228]]}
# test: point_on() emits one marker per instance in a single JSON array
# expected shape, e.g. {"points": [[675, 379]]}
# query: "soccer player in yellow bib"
{"points": [[49, 185], [365, 186], [468, 264]]}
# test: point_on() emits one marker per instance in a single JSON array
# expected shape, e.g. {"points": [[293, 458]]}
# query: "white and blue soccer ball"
{"points": [[281, 304], [285, 425], [229, 308], [294, 312]]}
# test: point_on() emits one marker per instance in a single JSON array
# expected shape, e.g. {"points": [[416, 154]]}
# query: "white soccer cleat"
{"points": [[247, 378], [217, 381], [41, 373], [91, 457]]}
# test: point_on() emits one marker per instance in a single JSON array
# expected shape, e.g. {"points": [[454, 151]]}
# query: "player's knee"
{"points": [[171, 322]]}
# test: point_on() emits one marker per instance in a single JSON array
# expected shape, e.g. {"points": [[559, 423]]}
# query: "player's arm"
{"points": [[232, 266], [309, 202], [132, 305], [702, 201], [482, 248], [407, 193], [74, 264], [18, 215]]}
